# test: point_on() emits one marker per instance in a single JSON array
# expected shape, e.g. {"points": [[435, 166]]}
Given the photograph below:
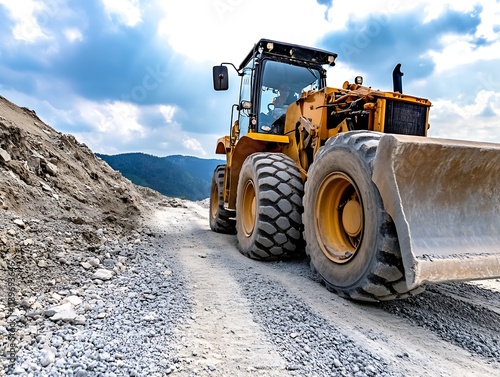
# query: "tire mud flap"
{"points": [[444, 198]]}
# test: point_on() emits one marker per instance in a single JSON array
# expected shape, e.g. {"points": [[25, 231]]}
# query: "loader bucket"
{"points": [[444, 198]]}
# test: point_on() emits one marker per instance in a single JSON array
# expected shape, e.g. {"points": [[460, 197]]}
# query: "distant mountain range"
{"points": [[174, 176]]}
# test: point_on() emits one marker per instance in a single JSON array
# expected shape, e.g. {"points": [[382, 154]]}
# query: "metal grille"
{"points": [[405, 118]]}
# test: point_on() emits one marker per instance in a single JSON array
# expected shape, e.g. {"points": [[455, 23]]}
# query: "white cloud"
{"points": [[460, 51], [479, 121], [127, 11], [73, 35], [433, 9], [118, 119], [340, 73], [342, 12], [194, 145], [175, 140], [23, 13], [226, 30], [489, 20], [116, 126], [168, 112], [119, 127]]}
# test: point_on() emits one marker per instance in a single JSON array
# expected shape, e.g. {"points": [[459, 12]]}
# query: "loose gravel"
{"points": [[310, 344], [470, 326], [107, 308], [91, 301]]}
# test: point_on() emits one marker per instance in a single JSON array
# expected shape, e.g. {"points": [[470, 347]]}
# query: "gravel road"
{"points": [[174, 298]]}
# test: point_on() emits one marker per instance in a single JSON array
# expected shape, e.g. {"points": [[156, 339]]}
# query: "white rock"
{"points": [[94, 262], [32, 330], [51, 168], [45, 187], [56, 296], [42, 263], [60, 362], [35, 154], [64, 312], [73, 300], [48, 357], [20, 223], [149, 318], [27, 302], [102, 274], [104, 356], [86, 265], [16, 313], [86, 306], [4, 155], [80, 320]]}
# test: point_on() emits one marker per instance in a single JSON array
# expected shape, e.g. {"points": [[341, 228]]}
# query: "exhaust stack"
{"points": [[397, 79]]}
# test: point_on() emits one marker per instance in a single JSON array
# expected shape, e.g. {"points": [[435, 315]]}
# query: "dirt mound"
{"points": [[43, 171]]}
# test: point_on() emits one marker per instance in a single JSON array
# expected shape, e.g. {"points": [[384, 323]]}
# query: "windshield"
{"points": [[281, 85]]}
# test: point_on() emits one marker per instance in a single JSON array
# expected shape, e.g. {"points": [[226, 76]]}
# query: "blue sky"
{"points": [[135, 76]]}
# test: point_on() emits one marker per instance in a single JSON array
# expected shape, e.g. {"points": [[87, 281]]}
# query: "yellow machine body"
{"points": [[442, 196]]}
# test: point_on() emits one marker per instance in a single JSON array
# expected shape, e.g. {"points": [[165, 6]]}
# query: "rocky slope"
{"points": [[65, 217], [43, 171]]}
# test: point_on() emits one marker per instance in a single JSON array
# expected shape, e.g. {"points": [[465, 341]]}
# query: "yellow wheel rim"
{"points": [[214, 201], [339, 218], [248, 210]]}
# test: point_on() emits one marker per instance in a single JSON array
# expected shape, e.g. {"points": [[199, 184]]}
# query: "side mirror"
{"points": [[221, 78]]}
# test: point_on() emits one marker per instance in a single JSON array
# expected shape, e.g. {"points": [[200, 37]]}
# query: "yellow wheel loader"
{"points": [[349, 175]]}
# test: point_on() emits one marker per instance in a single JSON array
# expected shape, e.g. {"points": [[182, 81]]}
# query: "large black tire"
{"points": [[269, 207], [351, 240], [221, 220]]}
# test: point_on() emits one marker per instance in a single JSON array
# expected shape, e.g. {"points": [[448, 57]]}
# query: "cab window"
{"points": [[281, 85]]}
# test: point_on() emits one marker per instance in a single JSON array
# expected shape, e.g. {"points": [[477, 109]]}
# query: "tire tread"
{"points": [[386, 281], [224, 221], [279, 232]]}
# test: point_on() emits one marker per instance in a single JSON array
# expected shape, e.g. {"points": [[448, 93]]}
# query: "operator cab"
{"points": [[281, 85], [273, 76]]}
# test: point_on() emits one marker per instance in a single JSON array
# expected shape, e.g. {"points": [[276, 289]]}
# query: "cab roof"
{"points": [[291, 51]]}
